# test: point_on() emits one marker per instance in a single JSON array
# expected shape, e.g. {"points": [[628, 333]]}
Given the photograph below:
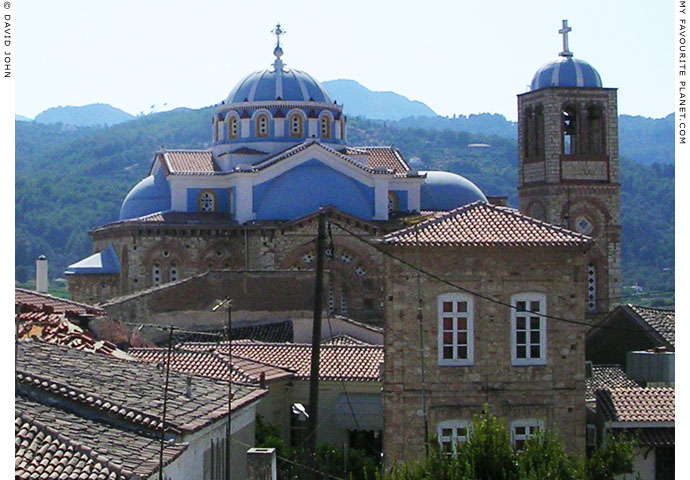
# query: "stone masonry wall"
{"points": [[553, 392]]}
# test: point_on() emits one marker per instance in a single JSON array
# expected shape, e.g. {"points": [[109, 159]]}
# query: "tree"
{"points": [[489, 455]]}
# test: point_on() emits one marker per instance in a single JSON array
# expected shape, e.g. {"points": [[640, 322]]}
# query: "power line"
{"points": [[482, 296]]}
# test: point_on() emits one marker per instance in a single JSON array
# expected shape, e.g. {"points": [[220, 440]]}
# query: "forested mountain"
{"points": [[84, 116], [359, 101], [69, 180]]}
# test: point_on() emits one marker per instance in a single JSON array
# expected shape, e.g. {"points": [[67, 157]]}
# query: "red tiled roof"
{"points": [[54, 443], [337, 362], [41, 452], [183, 219], [607, 377], [197, 162], [662, 321], [386, 157], [637, 404], [483, 224], [129, 389], [208, 363], [29, 298], [343, 339]]}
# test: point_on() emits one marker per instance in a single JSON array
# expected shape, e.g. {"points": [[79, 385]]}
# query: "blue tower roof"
{"points": [[150, 195], [566, 71], [105, 262], [446, 191]]}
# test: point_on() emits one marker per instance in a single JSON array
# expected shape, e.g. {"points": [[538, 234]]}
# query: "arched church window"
{"points": [[325, 126], [233, 127], [296, 127], [569, 131], [262, 125], [393, 203], [595, 129], [207, 201]]}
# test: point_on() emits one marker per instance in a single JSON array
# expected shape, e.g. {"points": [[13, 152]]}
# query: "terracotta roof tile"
{"points": [[188, 219], [49, 439], [386, 157], [102, 382], [208, 363], [483, 224], [23, 297], [607, 377], [337, 362], [197, 162], [637, 404], [343, 339], [662, 321]]}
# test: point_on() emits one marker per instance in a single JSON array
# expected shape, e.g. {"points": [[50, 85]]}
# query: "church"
{"points": [[498, 318]]}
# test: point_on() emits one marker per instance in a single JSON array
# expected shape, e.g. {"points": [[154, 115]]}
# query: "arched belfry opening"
{"points": [[570, 129]]}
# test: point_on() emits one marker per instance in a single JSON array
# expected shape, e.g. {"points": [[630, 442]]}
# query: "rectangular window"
{"points": [[521, 430], [528, 329], [450, 433], [455, 329]]}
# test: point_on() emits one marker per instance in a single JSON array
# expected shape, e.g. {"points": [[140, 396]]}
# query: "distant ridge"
{"points": [[22, 118], [359, 101], [85, 116]]}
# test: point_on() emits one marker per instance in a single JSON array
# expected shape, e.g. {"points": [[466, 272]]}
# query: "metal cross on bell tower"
{"points": [[564, 31]]}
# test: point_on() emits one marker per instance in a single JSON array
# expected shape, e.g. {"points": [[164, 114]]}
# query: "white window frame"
{"points": [[529, 299], [455, 437], [469, 315], [532, 427]]}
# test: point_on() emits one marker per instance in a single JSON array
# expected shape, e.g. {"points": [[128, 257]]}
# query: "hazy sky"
{"points": [[459, 57]]}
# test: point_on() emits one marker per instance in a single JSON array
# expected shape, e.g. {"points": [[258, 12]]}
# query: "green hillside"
{"points": [[69, 180]]}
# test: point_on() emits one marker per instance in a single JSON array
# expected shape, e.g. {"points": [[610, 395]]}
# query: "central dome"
{"points": [[278, 83]]}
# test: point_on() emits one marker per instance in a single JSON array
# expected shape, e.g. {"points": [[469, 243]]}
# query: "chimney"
{"points": [[42, 274], [261, 464]]}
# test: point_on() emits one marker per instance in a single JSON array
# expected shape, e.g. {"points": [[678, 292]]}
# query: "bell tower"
{"points": [[568, 164]]}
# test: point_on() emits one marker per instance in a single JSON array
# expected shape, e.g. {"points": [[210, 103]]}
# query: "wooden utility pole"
{"points": [[316, 335]]}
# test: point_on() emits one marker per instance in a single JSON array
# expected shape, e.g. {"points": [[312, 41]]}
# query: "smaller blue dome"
{"points": [[446, 191], [150, 195], [566, 71]]}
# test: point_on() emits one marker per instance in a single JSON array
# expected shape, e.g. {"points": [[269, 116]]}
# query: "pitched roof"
{"points": [[483, 224], [190, 162], [337, 362], [129, 390], [51, 442], [607, 377], [663, 322], [637, 404], [209, 363], [29, 298], [343, 339], [381, 157], [182, 218]]}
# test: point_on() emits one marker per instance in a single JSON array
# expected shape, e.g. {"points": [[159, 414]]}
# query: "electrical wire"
{"points": [[482, 296]]}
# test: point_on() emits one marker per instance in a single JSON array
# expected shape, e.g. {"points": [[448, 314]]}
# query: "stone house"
{"points": [[501, 323]]}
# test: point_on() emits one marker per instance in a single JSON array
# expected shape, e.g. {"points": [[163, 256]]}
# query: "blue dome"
{"points": [[446, 191], [276, 82], [150, 195], [566, 71]]}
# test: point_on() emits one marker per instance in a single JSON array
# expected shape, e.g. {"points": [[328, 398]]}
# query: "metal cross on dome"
{"points": [[278, 32], [564, 31]]}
